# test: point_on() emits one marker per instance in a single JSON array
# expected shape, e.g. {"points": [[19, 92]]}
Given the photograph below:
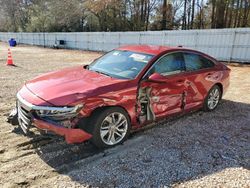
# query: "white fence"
{"points": [[224, 44]]}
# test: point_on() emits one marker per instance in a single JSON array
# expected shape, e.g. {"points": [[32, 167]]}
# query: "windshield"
{"points": [[120, 64]]}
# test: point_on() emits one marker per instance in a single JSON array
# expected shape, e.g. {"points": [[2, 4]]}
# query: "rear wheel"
{"points": [[111, 127], [213, 98]]}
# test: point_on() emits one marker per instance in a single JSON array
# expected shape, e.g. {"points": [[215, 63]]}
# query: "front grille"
{"points": [[24, 116]]}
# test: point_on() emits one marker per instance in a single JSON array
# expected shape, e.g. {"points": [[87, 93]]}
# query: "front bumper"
{"points": [[71, 135], [26, 120]]}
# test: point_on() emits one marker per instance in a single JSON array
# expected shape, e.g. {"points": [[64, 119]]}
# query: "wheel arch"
{"points": [[101, 108], [85, 121]]}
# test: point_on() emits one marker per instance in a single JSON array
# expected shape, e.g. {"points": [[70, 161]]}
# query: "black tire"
{"points": [[206, 106], [95, 123]]}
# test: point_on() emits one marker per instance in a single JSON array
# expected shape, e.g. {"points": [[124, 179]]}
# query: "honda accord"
{"points": [[123, 90]]}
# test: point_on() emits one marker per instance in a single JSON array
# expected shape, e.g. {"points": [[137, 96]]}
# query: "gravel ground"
{"points": [[196, 150]]}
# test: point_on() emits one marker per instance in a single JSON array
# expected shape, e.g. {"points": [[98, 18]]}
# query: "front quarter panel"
{"points": [[125, 98]]}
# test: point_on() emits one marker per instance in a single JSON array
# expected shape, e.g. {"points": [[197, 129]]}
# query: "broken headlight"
{"points": [[59, 113]]}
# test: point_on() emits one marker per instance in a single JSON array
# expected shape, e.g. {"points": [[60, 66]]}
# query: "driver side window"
{"points": [[169, 64]]}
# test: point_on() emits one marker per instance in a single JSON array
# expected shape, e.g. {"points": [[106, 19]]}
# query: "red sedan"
{"points": [[123, 90]]}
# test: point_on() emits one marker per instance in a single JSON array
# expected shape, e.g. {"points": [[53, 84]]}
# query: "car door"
{"points": [[165, 97], [199, 71]]}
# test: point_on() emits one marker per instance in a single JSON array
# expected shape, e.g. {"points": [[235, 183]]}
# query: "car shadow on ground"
{"points": [[176, 150]]}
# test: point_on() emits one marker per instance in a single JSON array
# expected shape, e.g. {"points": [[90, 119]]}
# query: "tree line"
{"points": [[121, 15]]}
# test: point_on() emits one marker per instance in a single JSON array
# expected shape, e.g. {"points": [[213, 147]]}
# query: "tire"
{"points": [[106, 131], [213, 98]]}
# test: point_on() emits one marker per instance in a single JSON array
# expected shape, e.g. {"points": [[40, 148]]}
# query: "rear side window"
{"points": [[169, 64], [196, 62]]}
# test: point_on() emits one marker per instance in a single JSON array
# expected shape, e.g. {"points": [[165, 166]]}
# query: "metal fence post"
{"points": [[196, 39], [32, 39], [119, 39], [21, 38], [103, 36], [44, 39], [140, 38], [165, 38], [232, 47], [88, 41]]}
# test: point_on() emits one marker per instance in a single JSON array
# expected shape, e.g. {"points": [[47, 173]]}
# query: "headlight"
{"points": [[58, 113]]}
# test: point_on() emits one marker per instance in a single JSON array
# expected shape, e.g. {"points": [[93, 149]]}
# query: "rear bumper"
{"points": [[71, 135]]}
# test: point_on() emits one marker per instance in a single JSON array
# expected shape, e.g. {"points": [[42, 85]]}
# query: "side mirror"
{"points": [[156, 77]]}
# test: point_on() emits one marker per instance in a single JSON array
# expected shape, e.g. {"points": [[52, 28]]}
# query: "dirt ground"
{"points": [[195, 150]]}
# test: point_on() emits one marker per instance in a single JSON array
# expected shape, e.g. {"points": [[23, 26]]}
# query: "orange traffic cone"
{"points": [[9, 60]]}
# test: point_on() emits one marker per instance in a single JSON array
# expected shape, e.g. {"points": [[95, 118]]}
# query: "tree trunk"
{"points": [[229, 24], [220, 14], [240, 14], [213, 14], [246, 13], [201, 16], [164, 15], [192, 16], [142, 12], [226, 14], [189, 14], [184, 25], [236, 13], [147, 14]]}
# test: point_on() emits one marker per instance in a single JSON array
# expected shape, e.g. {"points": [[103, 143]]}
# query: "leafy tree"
{"points": [[121, 15], [55, 16]]}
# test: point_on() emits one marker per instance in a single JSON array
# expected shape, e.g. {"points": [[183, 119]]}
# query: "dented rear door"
{"points": [[201, 75]]}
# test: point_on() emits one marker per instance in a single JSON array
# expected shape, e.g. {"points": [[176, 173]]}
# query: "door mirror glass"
{"points": [[156, 77]]}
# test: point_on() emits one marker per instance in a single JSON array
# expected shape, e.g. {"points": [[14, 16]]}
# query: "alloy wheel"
{"points": [[113, 128], [213, 98]]}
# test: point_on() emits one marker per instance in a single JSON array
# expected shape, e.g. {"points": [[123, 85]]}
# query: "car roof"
{"points": [[149, 49]]}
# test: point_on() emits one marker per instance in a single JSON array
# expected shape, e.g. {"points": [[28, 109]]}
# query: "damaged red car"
{"points": [[125, 89]]}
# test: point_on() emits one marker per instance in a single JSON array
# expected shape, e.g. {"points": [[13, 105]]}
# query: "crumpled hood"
{"points": [[70, 85]]}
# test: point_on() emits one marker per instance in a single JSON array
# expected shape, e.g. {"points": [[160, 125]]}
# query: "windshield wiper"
{"points": [[101, 73]]}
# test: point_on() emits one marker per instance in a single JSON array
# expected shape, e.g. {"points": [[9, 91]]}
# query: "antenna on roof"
{"points": [[180, 46]]}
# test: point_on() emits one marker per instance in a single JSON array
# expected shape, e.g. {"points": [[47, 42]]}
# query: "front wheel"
{"points": [[213, 98], [111, 127]]}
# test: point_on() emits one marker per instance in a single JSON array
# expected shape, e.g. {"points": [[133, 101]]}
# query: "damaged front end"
{"points": [[59, 120]]}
